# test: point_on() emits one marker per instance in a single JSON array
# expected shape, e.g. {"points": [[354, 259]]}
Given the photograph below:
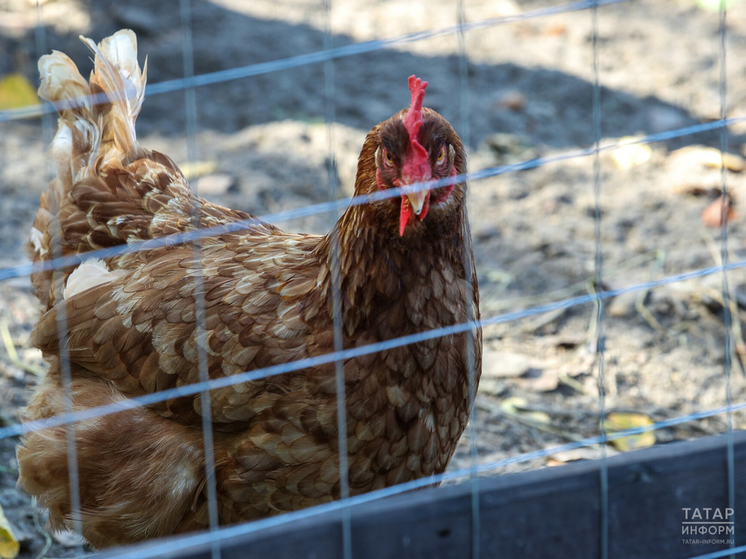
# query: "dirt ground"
{"points": [[263, 147]]}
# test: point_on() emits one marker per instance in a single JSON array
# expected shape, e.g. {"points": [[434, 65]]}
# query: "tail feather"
{"points": [[118, 74], [108, 191], [96, 129], [61, 81], [92, 133], [77, 134]]}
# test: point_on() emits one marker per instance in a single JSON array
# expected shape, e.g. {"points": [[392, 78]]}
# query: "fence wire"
{"points": [[598, 282], [311, 362], [190, 106], [341, 204], [222, 76], [188, 84], [727, 316], [65, 372], [336, 279], [189, 541]]}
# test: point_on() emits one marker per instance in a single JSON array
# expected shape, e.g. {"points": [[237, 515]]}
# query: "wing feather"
{"points": [[138, 329]]}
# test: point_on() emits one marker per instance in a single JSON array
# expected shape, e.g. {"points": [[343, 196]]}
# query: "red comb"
{"points": [[416, 167], [413, 121]]}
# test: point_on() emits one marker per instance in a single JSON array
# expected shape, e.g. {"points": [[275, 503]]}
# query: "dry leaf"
{"points": [[711, 158], [616, 422], [515, 407], [712, 215], [555, 29], [16, 92], [714, 159], [630, 154], [582, 453], [9, 546], [714, 5], [194, 169]]}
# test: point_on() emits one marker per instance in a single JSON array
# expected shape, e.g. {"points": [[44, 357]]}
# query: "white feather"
{"points": [[37, 241], [89, 274], [62, 149]]}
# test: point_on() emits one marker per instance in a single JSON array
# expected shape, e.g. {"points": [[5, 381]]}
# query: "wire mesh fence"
{"points": [[598, 280]]}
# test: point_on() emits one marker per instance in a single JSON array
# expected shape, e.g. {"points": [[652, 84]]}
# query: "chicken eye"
{"points": [[441, 155], [388, 158]]}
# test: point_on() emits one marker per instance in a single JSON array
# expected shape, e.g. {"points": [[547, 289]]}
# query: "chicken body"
{"points": [[130, 323]]}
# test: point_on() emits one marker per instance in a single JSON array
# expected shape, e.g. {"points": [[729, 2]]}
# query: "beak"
{"points": [[414, 202], [417, 200]]}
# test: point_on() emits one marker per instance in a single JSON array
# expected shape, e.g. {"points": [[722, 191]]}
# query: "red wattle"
{"points": [[405, 215]]}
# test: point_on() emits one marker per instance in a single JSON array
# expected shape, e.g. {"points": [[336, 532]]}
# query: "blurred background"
{"points": [[261, 144]]}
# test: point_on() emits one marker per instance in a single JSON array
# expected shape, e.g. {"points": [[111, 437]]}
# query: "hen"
{"points": [[406, 267]]}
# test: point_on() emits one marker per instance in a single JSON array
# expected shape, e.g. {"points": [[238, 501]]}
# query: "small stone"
{"points": [[622, 305], [512, 100], [492, 386], [565, 340], [542, 380], [504, 365], [511, 148], [215, 184]]}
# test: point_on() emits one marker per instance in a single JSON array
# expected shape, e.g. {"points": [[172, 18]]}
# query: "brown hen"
{"points": [[406, 267]]}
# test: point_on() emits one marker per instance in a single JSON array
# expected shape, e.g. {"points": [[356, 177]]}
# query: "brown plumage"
{"points": [[406, 267]]}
